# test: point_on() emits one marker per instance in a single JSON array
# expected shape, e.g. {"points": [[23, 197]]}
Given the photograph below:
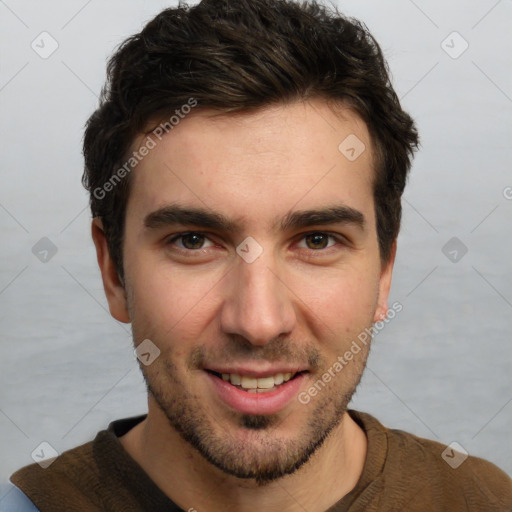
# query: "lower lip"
{"points": [[270, 402]]}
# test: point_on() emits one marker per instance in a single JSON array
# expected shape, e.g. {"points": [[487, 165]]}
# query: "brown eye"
{"points": [[191, 241], [317, 240]]}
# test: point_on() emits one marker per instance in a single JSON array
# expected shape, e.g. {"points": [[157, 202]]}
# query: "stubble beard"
{"points": [[263, 455]]}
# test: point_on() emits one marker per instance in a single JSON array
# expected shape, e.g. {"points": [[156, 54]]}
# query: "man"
{"points": [[246, 167]]}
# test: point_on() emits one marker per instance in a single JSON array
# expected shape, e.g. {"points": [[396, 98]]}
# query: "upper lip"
{"points": [[257, 373]]}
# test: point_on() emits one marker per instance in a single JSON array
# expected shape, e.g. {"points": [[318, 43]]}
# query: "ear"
{"points": [[384, 286], [114, 290]]}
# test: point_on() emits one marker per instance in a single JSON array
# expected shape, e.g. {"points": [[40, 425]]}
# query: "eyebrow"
{"points": [[176, 214], [340, 214]]}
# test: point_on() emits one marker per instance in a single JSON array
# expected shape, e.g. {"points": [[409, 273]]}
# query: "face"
{"points": [[251, 257]]}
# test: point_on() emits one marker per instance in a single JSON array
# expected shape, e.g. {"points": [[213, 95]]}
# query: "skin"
{"points": [[301, 302]]}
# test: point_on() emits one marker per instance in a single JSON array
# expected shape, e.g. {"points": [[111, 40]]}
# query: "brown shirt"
{"points": [[402, 472]]}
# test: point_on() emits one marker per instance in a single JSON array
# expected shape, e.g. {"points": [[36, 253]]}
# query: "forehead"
{"points": [[256, 166]]}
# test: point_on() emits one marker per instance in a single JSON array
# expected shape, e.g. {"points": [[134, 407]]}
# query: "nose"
{"points": [[258, 304]]}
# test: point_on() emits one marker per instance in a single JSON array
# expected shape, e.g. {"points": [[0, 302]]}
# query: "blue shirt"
{"points": [[16, 501]]}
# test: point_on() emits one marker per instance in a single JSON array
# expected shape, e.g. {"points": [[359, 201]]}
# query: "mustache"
{"points": [[237, 350]]}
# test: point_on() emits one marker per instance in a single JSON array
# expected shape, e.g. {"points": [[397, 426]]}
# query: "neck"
{"points": [[193, 483]]}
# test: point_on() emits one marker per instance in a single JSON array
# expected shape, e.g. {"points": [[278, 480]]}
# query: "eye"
{"points": [[317, 240], [191, 241]]}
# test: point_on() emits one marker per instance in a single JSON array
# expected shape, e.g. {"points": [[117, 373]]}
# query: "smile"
{"points": [[257, 385], [267, 394]]}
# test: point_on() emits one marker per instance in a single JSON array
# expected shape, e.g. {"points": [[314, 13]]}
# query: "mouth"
{"points": [[248, 393], [251, 384]]}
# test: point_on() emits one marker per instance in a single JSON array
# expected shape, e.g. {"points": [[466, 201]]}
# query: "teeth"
{"points": [[235, 379], [278, 379], [266, 383], [249, 383], [252, 384]]}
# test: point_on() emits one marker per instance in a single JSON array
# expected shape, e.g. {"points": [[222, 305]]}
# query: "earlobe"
{"points": [[381, 310], [114, 290]]}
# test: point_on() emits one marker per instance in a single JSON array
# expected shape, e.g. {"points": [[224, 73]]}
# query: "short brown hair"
{"points": [[237, 56]]}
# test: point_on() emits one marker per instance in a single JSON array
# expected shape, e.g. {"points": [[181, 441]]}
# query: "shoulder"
{"points": [[415, 471], [61, 478], [86, 465], [88, 476], [449, 470]]}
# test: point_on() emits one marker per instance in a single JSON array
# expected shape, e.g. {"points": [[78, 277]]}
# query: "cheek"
{"points": [[171, 303], [340, 303]]}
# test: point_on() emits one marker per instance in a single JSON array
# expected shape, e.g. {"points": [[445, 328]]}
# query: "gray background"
{"points": [[440, 369]]}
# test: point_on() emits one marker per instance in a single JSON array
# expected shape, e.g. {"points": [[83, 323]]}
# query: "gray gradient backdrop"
{"points": [[440, 369]]}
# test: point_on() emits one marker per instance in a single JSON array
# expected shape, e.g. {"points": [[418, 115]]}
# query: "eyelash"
{"points": [[182, 235], [340, 240]]}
